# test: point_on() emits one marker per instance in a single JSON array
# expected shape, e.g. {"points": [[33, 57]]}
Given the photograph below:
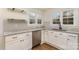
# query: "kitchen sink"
{"points": [[59, 30]]}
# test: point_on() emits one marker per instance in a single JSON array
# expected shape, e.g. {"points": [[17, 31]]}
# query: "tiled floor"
{"points": [[44, 47]]}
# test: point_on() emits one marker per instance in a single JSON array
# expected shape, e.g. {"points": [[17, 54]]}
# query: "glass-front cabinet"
{"points": [[68, 17]]}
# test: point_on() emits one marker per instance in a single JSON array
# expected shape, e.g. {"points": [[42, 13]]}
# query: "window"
{"points": [[32, 18], [32, 21], [56, 18], [68, 17], [39, 21], [56, 21]]}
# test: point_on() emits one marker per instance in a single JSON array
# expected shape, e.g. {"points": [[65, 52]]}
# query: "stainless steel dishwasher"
{"points": [[36, 38]]}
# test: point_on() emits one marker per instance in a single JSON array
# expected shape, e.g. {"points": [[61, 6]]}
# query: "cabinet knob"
{"points": [[60, 34], [21, 40], [14, 37], [27, 34], [56, 36], [68, 39]]}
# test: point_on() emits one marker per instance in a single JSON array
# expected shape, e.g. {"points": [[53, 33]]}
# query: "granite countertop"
{"points": [[65, 31], [21, 31], [35, 29]]}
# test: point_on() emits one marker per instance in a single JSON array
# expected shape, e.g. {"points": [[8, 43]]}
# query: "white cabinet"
{"points": [[61, 40], [1, 42], [42, 36], [19, 41], [46, 36], [27, 40], [72, 41], [53, 37], [58, 39], [11, 42]]}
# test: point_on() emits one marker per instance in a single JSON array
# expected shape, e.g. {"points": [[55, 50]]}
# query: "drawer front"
{"points": [[28, 35], [73, 35], [28, 44], [11, 38], [72, 39], [13, 46]]}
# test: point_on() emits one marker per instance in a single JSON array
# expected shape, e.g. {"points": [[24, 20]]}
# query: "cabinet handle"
{"points": [[21, 40], [56, 36], [72, 36], [14, 37], [68, 39], [27, 35], [60, 34]]}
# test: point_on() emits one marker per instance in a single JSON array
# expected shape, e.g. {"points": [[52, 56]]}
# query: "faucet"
{"points": [[60, 27]]}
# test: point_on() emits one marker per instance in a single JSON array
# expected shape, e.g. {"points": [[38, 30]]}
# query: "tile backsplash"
{"points": [[14, 26]]}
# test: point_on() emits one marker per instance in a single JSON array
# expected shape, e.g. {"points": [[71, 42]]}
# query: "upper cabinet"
{"points": [[68, 17]]}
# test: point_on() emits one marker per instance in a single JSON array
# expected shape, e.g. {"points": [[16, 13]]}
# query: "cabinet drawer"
{"points": [[10, 38], [72, 35], [13, 46], [28, 35]]}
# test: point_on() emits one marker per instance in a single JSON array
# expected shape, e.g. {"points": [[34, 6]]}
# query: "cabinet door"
{"points": [[61, 40], [21, 41], [46, 36], [25, 41], [52, 37], [58, 39], [42, 36], [72, 42], [28, 40], [11, 42]]}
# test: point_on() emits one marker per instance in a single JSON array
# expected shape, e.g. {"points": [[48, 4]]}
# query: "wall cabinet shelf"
{"points": [[16, 10]]}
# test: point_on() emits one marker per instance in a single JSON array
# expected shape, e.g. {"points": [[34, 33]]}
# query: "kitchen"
{"points": [[33, 28]]}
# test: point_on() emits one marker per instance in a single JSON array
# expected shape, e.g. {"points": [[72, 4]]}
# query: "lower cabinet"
{"points": [[72, 41], [19, 41], [45, 36], [62, 40]]}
